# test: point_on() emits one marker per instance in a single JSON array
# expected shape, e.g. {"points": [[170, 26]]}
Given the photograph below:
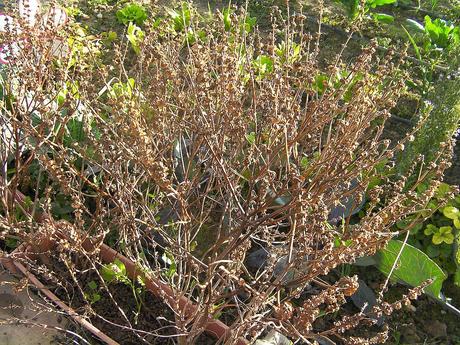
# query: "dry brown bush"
{"points": [[206, 157]]}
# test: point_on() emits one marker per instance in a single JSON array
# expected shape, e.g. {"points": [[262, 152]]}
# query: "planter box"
{"points": [[26, 252]]}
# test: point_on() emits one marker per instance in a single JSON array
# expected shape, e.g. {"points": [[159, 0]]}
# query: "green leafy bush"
{"points": [[438, 122], [442, 34], [439, 235], [132, 13]]}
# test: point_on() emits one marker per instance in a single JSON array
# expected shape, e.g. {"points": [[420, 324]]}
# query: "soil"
{"points": [[153, 325], [425, 321]]}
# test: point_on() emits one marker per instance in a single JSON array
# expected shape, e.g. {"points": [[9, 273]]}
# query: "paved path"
{"points": [[24, 305]]}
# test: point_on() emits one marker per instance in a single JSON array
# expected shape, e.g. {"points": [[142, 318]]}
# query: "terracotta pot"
{"points": [[36, 251]]}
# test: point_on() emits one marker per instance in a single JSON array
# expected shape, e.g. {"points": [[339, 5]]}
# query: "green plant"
{"points": [[263, 65], [120, 89], [182, 16], [109, 37], [435, 35], [405, 263], [438, 236], [92, 295], [132, 13], [438, 122], [288, 52], [115, 272], [442, 34], [354, 8], [135, 36]]}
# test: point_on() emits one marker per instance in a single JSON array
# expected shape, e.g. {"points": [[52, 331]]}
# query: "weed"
{"points": [[115, 272], [92, 295]]}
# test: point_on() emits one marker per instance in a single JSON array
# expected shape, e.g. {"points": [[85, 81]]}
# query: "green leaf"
{"points": [[430, 229], [121, 267], [414, 266], [415, 26], [414, 44], [132, 13], [443, 235], [251, 138], [375, 3], [441, 32], [92, 285], [457, 223], [135, 35], [442, 190], [182, 17], [263, 65], [383, 18], [76, 132], [321, 83], [115, 271], [451, 212], [227, 18], [304, 162]]}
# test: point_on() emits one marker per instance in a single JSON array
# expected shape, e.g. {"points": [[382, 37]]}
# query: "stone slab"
{"points": [[19, 310]]}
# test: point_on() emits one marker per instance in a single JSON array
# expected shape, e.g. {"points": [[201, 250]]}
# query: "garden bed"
{"points": [[104, 298]]}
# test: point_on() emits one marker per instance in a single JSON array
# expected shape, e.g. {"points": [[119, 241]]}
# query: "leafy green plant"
{"points": [[108, 37], [182, 16], [439, 235], [92, 295], [439, 119], [442, 34], [288, 52], [115, 272], [81, 45], [135, 36], [263, 65], [353, 9], [245, 24], [433, 35], [132, 13], [120, 89]]}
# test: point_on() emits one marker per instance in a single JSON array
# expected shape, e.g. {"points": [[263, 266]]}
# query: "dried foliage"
{"points": [[219, 145]]}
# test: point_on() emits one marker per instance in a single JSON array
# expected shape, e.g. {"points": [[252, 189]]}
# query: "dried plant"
{"points": [[214, 143]]}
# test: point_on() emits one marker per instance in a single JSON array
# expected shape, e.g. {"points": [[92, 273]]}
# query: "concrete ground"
{"points": [[24, 316]]}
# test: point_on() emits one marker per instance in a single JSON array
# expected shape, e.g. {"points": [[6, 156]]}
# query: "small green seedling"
{"points": [[115, 272], [135, 36], [92, 295], [182, 17]]}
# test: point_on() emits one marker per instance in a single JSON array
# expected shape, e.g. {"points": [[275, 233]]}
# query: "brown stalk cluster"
{"points": [[211, 155]]}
